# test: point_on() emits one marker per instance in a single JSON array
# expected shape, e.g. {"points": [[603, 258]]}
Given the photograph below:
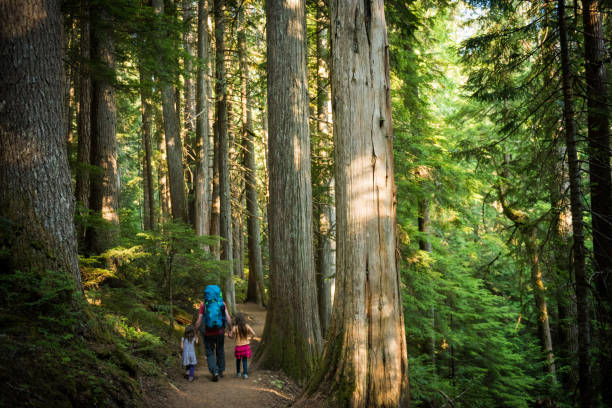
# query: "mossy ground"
{"points": [[58, 350]]}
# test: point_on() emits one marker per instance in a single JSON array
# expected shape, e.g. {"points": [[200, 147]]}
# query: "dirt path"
{"points": [[262, 389]]}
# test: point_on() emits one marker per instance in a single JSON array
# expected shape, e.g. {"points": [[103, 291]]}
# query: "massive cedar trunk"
{"points": [[225, 225], [255, 289], [325, 245], [292, 335], [147, 144], [202, 179], [36, 200], [174, 147], [584, 368], [365, 362], [82, 187], [600, 182], [104, 197]]}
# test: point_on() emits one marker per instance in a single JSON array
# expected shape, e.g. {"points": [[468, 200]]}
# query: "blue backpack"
{"points": [[214, 314]]}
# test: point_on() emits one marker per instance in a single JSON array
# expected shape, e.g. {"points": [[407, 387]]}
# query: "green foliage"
{"points": [[46, 347]]}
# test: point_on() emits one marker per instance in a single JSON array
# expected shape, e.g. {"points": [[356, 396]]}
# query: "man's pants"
{"points": [[215, 353]]}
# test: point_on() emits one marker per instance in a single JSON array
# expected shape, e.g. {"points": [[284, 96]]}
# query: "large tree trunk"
{"points": [[225, 224], [82, 187], [600, 182], [104, 197], [174, 146], [325, 223], [202, 179], [147, 160], [36, 199], [292, 335], [584, 367], [365, 361], [255, 289]]}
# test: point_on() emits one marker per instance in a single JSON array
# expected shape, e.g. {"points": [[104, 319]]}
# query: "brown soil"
{"points": [[263, 388]]}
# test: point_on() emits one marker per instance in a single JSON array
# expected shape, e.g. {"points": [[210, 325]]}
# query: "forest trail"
{"points": [[263, 388]]}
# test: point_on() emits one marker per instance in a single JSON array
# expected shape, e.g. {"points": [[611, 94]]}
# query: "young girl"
{"points": [[242, 351], [188, 347]]}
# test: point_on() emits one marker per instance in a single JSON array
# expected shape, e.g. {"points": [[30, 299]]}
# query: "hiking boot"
{"points": [[245, 376], [190, 379], [215, 377]]}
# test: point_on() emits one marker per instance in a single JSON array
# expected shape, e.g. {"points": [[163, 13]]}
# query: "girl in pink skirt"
{"points": [[243, 332]]}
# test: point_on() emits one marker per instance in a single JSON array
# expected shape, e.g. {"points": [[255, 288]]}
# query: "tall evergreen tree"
{"points": [[222, 151], [365, 362], [292, 324], [104, 195]]}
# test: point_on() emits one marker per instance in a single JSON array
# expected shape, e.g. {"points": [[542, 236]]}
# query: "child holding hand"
{"points": [[188, 342], [242, 332]]}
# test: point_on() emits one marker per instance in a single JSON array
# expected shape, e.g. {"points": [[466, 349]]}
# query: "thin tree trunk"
{"points": [[365, 362], [225, 225], [584, 368], [147, 142], [82, 187], [255, 289], [325, 260], [104, 197], [189, 115], [292, 335], [162, 169], [595, 57], [36, 197], [424, 225], [174, 147], [567, 342], [216, 199], [539, 294], [202, 179]]}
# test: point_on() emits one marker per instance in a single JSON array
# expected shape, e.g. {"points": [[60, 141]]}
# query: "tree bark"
{"points": [[174, 147], [292, 335], [365, 361], [600, 183], [104, 198], [225, 225], [202, 179], [36, 198], [584, 367]]}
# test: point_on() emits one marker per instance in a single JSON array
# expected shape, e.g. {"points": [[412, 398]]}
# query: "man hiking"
{"points": [[215, 317]]}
